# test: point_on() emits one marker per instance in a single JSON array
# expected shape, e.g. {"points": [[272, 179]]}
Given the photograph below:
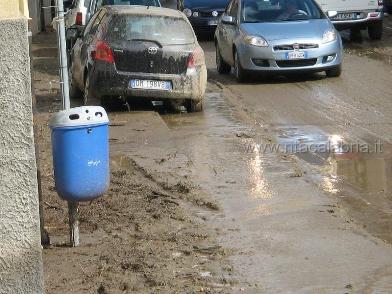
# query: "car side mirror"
{"points": [[227, 19], [332, 14]]}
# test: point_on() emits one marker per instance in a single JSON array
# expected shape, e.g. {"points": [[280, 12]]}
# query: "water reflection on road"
{"points": [[356, 171]]}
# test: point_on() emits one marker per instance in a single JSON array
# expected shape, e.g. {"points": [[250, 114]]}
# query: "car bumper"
{"points": [[267, 60], [107, 81], [371, 16]]}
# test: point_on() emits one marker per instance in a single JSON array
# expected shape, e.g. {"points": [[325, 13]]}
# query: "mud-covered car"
{"points": [[138, 51]]}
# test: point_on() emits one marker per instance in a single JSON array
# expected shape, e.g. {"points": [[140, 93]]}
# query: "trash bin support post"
{"points": [[73, 215], [72, 207]]}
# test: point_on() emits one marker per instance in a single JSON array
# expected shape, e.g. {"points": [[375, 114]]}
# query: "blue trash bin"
{"points": [[80, 143]]}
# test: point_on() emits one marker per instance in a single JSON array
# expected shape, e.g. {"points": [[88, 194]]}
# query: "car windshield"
{"points": [[130, 2], [160, 29], [279, 10]]}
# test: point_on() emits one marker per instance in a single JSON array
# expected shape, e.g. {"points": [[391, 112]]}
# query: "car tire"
{"points": [[195, 106], [239, 72], [88, 99], [375, 31], [74, 91], [334, 72], [221, 66]]}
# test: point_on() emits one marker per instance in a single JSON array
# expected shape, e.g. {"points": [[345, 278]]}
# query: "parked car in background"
{"points": [[356, 15], [388, 6], [76, 15], [269, 36], [203, 14], [82, 10], [138, 51]]}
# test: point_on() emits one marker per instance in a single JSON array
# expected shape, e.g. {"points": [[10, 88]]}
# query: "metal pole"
{"points": [[63, 55], [73, 213]]}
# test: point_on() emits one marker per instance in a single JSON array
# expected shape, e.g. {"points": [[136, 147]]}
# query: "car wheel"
{"points": [[238, 70], [87, 98], [195, 106], [221, 66], [74, 91], [334, 72], [375, 31]]}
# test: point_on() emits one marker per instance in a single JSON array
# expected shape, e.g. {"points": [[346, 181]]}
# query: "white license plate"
{"points": [[345, 16], [213, 22], [151, 85], [296, 55]]}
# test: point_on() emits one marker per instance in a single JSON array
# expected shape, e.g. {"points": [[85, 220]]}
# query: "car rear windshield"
{"points": [[279, 10], [160, 29]]}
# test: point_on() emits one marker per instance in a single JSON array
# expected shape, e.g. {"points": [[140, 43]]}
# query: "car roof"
{"points": [[143, 10]]}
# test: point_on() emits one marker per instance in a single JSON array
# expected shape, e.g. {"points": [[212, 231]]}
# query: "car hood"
{"points": [[272, 31]]}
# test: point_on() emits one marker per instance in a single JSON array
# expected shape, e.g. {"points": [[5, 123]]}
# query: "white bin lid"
{"points": [[79, 116]]}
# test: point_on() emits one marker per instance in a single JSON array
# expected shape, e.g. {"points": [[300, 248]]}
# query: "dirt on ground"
{"points": [[141, 236]]}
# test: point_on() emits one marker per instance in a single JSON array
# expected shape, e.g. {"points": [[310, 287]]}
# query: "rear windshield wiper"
{"points": [[148, 40]]}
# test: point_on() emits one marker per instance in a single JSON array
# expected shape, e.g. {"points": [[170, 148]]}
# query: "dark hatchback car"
{"points": [[138, 51], [203, 14]]}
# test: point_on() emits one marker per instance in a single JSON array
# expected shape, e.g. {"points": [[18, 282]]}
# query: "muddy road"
{"points": [[313, 221], [220, 202]]}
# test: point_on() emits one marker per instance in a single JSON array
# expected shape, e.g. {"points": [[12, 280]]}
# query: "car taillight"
{"points": [[196, 58], [374, 14], [79, 19], [103, 52]]}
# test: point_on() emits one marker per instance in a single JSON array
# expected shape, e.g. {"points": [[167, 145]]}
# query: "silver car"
{"points": [[277, 36]]}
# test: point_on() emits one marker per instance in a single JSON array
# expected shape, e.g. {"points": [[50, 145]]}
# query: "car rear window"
{"points": [[161, 29]]}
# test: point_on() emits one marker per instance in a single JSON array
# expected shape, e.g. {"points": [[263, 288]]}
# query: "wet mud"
{"points": [[148, 233]]}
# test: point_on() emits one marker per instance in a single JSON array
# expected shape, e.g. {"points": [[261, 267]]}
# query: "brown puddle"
{"points": [[360, 174]]}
